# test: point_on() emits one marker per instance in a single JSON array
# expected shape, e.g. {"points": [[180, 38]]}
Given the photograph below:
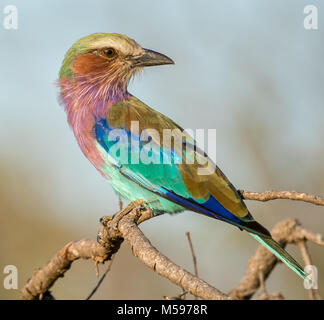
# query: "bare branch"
{"points": [[120, 202], [177, 297], [194, 259], [109, 241], [288, 231], [290, 195], [123, 225], [44, 278], [151, 257], [264, 295], [101, 279], [272, 296], [313, 293]]}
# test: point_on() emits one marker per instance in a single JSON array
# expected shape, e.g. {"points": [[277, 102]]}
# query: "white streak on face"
{"points": [[123, 45]]}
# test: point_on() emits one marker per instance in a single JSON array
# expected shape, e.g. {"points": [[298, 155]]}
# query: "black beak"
{"points": [[150, 58]]}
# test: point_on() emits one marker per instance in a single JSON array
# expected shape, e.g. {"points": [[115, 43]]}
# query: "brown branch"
{"points": [[194, 259], [182, 296], [290, 195], [120, 202], [288, 231], [177, 297], [151, 257], [101, 279], [44, 278], [109, 241], [123, 225], [313, 293], [264, 295]]}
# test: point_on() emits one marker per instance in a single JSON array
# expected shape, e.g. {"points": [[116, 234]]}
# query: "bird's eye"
{"points": [[109, 52]]}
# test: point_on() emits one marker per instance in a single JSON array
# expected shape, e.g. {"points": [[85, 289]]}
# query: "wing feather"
{"points": [[197, 187]]}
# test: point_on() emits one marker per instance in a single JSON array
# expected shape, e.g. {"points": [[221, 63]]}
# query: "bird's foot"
{"points": [[137, 205], [105, 219]]}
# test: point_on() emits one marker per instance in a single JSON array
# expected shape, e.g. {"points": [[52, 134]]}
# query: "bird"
{"points": [[112, 127]]}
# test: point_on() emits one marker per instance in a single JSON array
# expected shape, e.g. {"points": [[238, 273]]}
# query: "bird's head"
{"points": [[108, 57]]}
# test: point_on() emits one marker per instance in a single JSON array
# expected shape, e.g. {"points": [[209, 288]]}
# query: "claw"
{"points": [[115, 225], [104, 220], [137, 205]]}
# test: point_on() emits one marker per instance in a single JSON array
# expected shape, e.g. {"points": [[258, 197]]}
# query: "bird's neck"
{"points": [[85, 100], [90, 95]]}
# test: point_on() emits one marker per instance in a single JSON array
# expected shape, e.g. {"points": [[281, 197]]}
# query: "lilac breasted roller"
{"points": [[93, 83]]}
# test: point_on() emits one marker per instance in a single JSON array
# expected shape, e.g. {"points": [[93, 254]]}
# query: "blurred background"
{"points": [[247, 68]]}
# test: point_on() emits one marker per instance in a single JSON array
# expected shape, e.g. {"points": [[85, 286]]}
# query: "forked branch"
{"points": [[124, 226]]}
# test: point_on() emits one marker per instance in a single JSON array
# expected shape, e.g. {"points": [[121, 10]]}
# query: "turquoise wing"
{"points": [[174, 180]]}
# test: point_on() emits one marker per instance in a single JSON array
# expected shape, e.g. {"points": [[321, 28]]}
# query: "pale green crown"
{"points": [[117, 41]]}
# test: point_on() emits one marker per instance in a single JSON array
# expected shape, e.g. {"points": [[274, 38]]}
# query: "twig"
{"points": [[264, 295], [192, 253], [288, 231], [183, 294], [151, 257], [44, 278], [110, 239], [313, 293], [291, 195], [101, 279], [96, 268], [177, 297], [262, 284], [194, 259], [120, 203], [108, 243]]}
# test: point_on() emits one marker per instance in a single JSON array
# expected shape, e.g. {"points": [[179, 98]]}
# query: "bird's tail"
{"points": [[281, 254]]}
